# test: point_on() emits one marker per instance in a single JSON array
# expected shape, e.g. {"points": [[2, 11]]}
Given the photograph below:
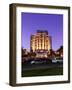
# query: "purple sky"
{"points": [[31, 22]]}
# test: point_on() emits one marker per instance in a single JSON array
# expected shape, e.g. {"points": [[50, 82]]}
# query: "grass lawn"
{"points": [[43, 72]]}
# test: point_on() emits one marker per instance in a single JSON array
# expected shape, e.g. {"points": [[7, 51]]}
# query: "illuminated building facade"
{"points": [[41, 41]]}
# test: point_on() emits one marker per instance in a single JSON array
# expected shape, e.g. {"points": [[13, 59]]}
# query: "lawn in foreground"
{"points": [[43, 72]]}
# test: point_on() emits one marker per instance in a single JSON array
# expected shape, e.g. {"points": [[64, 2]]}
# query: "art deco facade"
{"points": [[41, 41]]}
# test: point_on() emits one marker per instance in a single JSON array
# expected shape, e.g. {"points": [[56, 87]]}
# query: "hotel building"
{"points": [[41, 42]]}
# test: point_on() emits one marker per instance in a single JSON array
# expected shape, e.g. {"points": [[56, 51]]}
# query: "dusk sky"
{"points": [[31, 22]]}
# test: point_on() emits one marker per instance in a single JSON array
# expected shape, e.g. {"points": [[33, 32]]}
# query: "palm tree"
{"points": [[51, 53], [59, 51]]}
